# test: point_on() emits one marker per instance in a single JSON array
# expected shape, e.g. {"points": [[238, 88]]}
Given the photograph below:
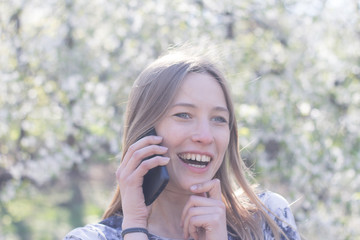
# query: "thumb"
{"points": [[212, 188]]}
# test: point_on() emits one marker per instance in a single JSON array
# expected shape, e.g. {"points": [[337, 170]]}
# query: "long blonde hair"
{"points": [[149, 100]]}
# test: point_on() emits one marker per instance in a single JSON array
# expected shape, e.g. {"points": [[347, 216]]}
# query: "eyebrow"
{"points": [[217, 108]]}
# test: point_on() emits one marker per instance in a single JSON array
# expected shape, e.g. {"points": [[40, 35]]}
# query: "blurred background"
{"points": [[66, 68]]}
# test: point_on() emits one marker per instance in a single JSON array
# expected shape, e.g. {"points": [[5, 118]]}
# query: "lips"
{"points": [[195, 160]]}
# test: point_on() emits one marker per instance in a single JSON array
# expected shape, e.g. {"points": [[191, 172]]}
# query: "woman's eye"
{"points": [[183, 115], [220, 119]]}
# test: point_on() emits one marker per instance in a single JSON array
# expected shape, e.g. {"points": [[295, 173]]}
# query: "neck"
{"points": [[165, 216]]}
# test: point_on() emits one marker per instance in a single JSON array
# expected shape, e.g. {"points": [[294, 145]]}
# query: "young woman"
{"points": [[186, 99]]}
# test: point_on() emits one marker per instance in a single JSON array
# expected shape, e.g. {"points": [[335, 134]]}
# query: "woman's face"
{"points": [[196, 131]]}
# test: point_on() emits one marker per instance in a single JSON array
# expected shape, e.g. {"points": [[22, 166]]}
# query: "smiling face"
{"points": [[196, 131]]}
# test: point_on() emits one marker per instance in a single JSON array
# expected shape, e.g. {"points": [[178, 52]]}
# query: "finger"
{"points": [[208, 226], [146, 165], [149, 140], [143, 154], [197, 211], [141, 150], [212, 187], [198, 201], [127, 168], [193, 234], [136, 176], [199, 225]]}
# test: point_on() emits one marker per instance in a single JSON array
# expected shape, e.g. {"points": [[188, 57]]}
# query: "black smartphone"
{"points": [[155, 179]]}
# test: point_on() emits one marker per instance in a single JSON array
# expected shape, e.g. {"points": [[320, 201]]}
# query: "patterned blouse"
{"points": [[110, 228]]}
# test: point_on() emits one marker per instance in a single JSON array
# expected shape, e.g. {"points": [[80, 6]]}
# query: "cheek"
{"points": [[223, 146], [223, 141], [172, 136]]}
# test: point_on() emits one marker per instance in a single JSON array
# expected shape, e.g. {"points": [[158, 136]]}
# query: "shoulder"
{"points": [[274, 201], [108, 229], [278, 208], [91, 231]]}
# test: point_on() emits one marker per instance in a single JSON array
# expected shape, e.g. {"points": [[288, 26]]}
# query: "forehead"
{"points": [[202, 88]]}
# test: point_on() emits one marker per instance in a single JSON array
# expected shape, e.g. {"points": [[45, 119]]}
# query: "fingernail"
{"points": [[164, 148], [193, 187]]}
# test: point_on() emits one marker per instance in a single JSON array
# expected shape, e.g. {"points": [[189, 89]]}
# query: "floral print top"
{"points": [[110, 228]]}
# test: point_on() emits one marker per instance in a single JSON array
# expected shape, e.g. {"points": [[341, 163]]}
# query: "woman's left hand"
{"points": [[204, 215]]}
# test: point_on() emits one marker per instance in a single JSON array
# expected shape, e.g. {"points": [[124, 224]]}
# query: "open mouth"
{"points": [[195, 160]]}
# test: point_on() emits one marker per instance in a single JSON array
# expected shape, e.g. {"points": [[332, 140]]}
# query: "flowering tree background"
{"points": [[66, 68]]}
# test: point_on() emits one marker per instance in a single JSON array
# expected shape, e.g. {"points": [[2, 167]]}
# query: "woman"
{"points": [[185, 98]]}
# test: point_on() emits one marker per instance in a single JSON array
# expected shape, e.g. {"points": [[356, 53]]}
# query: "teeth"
{"points": [[197, 166], [195, 157], [205, 158]]}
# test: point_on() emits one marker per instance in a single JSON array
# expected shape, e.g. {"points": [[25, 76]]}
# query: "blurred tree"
{"points": [[66, 68]]}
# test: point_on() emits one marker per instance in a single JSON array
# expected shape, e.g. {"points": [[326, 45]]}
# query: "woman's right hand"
{"points": [[130, 175]]}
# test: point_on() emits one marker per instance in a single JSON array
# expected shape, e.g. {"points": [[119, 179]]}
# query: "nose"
{"points": [[202, 133]]}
